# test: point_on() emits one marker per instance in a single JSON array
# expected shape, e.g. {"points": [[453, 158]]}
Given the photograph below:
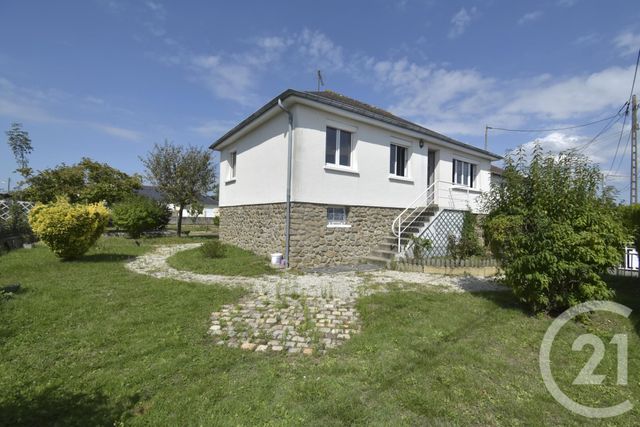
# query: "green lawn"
{"points": [[236, 262], [90, 343]]}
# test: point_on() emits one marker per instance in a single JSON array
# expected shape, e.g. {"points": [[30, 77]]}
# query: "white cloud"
{"points": [[43, 106], [530, 17], [460, 21], [118, 132], [627, 42], [320, 50], [567, 3], [212, 128]]}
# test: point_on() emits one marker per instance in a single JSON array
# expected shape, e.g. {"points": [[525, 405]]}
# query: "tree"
{"points": [[554, 229], [195, 210], [139, 214], [20, 144], [182, 174], [631, 220], [85, 182]]}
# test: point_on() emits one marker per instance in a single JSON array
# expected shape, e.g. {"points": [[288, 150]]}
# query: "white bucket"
{"points": [[276, 258]]}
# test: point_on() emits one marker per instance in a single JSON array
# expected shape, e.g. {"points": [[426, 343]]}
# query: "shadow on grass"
{"points": [[57, 407], [104, 257]]}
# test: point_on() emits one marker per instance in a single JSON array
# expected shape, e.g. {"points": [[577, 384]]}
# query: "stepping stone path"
{"points": [[297, 314], [292, 324]]}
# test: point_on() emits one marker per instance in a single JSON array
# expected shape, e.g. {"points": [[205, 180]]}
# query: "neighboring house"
{"points": [[210, 204], [496, 174], [362, 181]]}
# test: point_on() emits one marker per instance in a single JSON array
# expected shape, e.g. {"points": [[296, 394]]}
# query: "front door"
{"points": [[431, 167]]}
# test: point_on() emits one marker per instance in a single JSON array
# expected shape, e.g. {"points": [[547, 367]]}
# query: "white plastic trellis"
{"points": [[5, 208]]}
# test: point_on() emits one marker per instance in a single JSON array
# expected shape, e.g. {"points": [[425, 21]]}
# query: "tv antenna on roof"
{"points": [[320, 80]]}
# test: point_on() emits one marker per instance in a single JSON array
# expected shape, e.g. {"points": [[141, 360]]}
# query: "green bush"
{"points": [[420, 246], [554, 229], [213, 249], [468, 245], [139, 214], [216, 221], [631, 219], [69, 229]]}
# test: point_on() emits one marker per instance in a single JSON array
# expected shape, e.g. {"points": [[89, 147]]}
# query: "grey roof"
{"points": [[349, 104], [152, 192]]}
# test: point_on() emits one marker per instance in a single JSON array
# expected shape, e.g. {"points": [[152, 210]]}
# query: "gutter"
{"points": [[287, 225]]}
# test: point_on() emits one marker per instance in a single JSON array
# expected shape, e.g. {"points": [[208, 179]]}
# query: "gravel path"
{"points": [[296, 313], [343, 285]]}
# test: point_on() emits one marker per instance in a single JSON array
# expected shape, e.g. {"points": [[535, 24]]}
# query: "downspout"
{"points": [[287, 225]]}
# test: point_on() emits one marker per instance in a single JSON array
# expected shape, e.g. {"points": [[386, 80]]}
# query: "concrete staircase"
{"points": [[388, 249]]}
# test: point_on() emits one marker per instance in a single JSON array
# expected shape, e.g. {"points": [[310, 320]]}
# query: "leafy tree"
{"points": [[20, 144], [85, 182], [554, 229], [139, 214], [468, 244], [631, 220], [195, 210], [182, 174]]}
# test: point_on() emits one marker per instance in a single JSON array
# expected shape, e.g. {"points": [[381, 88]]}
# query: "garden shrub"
{"points": [[554, 229], [69, 229], [216, 221], [139, 214], [212, 249], [420, 246], [468, 245], [631, 218]]}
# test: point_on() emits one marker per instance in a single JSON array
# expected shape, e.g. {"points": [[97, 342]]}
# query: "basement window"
{"points": [[336, 216]]}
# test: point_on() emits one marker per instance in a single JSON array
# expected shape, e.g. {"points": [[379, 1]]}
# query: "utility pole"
{"points": [[486, 137], [320, 80], [634, 151]]}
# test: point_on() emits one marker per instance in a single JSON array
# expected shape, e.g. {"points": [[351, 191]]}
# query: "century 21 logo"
{"points": [[586, 375]]}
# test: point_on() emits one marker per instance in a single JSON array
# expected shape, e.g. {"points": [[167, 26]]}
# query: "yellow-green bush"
{"points": [[69, 229]]}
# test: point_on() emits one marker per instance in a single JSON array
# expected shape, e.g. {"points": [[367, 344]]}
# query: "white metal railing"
{"points": [[421, 203], [445, 195]]}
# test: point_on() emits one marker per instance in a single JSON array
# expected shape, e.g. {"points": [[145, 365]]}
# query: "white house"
{"points": [[329, 179]]}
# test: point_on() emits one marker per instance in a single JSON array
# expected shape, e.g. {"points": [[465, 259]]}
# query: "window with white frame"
{"points": [[464, 173], [232, 164], [398, 160], [336, 215], [338, 147]]}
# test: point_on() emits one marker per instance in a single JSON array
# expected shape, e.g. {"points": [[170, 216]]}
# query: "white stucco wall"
{"points": [[261, 165]]}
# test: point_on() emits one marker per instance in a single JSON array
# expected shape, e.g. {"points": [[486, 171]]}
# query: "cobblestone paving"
{"points": [[295, 313]]}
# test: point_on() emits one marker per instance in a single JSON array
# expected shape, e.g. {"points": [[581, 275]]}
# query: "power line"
{"points": [[556, 129]]}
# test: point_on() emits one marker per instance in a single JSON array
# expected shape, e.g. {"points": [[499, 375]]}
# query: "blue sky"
{"points": [[107, 79]]}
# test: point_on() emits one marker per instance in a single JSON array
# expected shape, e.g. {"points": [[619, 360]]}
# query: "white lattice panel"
{"points": [[5, 208]]}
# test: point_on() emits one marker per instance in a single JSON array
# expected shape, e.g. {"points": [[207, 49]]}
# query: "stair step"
{"points": [[376, 260]]}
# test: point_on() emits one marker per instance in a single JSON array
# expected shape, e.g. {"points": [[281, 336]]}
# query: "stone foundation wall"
{"points": [[260, 228], [315, 244]]}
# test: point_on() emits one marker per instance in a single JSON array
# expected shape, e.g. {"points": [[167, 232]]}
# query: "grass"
{"points": [[90, 343], [236, 262]]}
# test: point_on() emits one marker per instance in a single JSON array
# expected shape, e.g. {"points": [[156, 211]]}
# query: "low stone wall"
{"points": [[260, 228]]}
